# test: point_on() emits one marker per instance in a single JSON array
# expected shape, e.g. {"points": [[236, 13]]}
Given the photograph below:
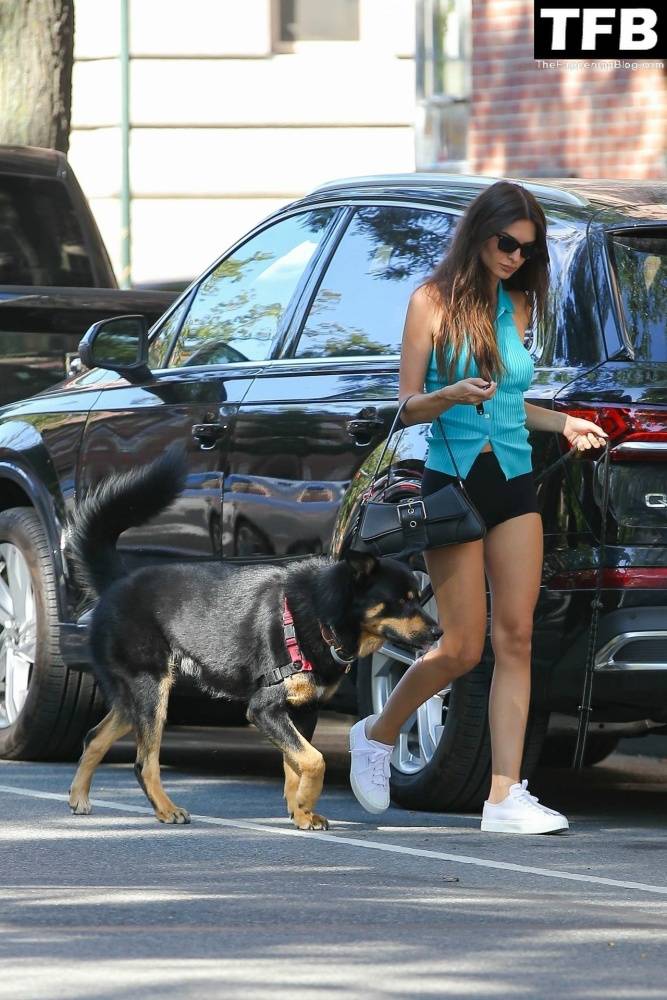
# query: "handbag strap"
{"points": [[451, 453], [392, 430], [394, 425]]}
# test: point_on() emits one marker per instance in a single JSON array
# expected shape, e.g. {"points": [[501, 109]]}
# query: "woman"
{"points": [[479, 299]]}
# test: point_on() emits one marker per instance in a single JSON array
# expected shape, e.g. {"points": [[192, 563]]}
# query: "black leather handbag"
{"points": [[446, 517]]}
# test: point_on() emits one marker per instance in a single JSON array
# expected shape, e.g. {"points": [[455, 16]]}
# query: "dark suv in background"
{"points": [[55, 274], [279, 368]]}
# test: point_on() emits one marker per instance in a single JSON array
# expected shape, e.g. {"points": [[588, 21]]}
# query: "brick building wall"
{"points": [[526, 120]]}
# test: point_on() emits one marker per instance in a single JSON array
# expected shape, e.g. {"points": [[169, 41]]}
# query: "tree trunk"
{"points": [[36, 56]]}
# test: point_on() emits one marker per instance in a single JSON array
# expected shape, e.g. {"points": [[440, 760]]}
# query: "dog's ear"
{"points": [[361, 563]]}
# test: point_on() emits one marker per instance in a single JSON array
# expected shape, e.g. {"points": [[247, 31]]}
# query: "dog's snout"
{"points": [[436, 632]]}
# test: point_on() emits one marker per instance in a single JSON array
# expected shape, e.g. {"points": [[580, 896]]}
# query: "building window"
{"points": [[315, 21], [443, 83]]}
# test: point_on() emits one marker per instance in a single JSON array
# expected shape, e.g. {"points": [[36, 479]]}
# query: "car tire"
{"points": [[45, 708], [442, 761]]}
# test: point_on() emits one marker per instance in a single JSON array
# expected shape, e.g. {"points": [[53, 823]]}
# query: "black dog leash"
{"points": [[585, 707], [596, 605], [554, 465]]}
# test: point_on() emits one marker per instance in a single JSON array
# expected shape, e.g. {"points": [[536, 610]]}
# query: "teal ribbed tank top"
{"points": [[504, 425]]}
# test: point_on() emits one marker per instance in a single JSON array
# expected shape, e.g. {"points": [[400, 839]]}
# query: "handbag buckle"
{"points": [[411, 507]]}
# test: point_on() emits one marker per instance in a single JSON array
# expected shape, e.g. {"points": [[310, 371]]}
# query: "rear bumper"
{"points": [[635, 650], [630, 679]]}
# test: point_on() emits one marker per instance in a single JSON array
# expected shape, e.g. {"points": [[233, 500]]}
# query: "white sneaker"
{"points": [[521, 812], [369, 768]]}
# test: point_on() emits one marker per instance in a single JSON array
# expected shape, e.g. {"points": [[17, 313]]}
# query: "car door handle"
{"points": [[364, 428], [208, 434]]}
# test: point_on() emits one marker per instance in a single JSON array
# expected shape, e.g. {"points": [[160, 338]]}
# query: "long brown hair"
{"points": [[460, 283]]}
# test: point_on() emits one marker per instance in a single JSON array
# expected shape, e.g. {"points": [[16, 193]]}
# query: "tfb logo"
{"points": [[600, 30]]}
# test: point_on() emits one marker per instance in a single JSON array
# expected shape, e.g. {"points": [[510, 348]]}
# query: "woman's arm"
{"points": [[416, 348], [539, 418], [582, 434]]}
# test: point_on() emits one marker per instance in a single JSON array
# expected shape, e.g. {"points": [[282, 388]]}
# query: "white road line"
{"points": [[368, 845]]}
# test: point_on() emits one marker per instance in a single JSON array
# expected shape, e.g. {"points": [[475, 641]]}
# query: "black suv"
{"points": [[279, 368]]}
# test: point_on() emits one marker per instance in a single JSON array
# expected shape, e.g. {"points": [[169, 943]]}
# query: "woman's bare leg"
{"points": [[457, 577], [513, 558]]}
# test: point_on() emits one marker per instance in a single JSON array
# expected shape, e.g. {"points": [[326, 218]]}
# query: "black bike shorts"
{"points": [[497, 499]]}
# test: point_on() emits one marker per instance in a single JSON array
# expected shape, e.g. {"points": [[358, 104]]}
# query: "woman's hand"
{"points": [[469, 390], [583, 434]]}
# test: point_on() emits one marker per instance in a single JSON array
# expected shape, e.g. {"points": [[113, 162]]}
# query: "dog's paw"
{"points": [[174, 815], [80, 805], [310, 821]]}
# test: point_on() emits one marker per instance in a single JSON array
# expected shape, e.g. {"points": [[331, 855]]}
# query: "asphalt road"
{"points": [[238, 904]]}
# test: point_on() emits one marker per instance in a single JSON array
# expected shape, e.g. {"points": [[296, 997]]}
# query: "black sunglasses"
{"points": [[508, 244]]}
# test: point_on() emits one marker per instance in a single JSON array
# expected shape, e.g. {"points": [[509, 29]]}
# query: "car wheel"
{"points": [[45, 708], [442, 759]]}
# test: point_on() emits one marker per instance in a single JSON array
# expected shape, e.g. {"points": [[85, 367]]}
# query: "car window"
{"points": [[41, 242], [361, 302], [568, 333], [640, 262], [238, 308], [163, 336]]}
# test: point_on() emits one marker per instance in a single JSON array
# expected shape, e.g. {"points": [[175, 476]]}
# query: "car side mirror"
{"points": [[119, 344]]}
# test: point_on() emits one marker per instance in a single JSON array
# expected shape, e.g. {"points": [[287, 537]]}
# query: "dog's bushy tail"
{"points": [[118, 503]]}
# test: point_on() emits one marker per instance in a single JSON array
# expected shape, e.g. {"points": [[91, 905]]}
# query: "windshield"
{"points": [[640, 262]]}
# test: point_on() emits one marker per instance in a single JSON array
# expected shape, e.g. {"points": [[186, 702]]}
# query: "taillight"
{"points": [[637, 433], [637, 489], [626, 578]]}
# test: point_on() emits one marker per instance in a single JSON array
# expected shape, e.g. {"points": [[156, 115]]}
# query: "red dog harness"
{"points": [[295, 654], [298, 663]]}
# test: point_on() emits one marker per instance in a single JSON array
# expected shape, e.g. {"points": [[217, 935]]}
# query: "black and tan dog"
{"points": [[229, 628]]}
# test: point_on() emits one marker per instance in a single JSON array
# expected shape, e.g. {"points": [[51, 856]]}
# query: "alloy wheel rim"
{"points": [[421, 733], [18, 635]]}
